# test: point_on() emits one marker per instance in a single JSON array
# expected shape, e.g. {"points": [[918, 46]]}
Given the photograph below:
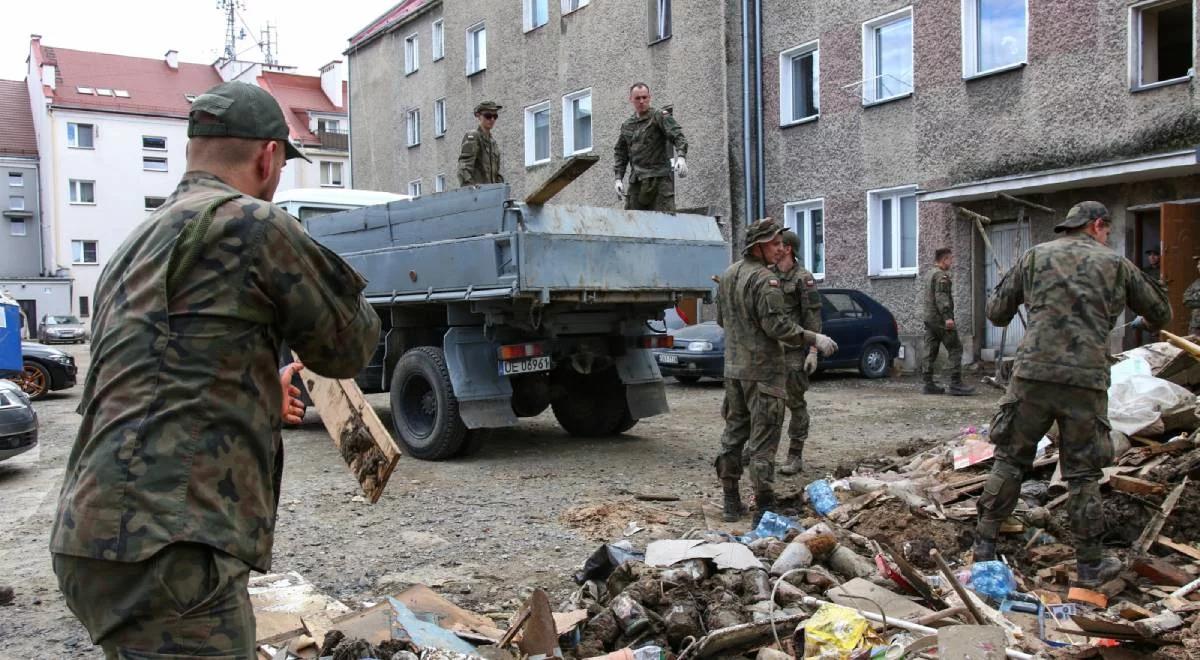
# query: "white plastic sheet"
{"points": [[1139, 402]]}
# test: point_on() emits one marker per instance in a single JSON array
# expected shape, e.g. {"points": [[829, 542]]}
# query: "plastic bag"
{"points": [[771, 525], [821, 497], [992, 579], [836, 632], [606, 559], [1139, 402]]}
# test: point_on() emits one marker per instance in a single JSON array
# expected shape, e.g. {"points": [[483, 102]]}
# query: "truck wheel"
{"points": [[627, 421], [424, 410], [594, 405]]}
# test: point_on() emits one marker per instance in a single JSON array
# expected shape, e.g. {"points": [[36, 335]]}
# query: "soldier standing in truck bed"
{"points": [[479, 160], [644, 147]]}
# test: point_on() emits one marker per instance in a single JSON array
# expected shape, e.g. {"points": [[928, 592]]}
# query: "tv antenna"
{"points": [[232, 33]]}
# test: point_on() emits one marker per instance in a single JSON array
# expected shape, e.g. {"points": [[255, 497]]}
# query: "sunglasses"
{"points": [[490, 115]]}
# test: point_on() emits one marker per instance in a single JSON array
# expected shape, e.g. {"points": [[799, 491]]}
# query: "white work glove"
{"points": [[680, 166], [619, 186], [825, 344], [810, 363]]}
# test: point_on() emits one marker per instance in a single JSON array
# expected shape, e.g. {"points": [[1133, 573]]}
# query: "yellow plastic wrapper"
{"points": [[837, 632]]}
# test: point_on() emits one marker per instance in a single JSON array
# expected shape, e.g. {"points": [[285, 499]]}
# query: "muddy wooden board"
{"points": [[570, 170]]}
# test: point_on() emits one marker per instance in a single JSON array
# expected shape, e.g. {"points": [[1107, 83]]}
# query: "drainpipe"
{"points": [[746, 166], [758, 111], [349, 122]]}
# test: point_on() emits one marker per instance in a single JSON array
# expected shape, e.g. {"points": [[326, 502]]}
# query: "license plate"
{"points": [[667, 358], [526, 366], [900, 354]]}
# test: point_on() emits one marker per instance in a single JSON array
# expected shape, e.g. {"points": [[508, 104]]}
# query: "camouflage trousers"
{"points": [[652, 194], [753, 413], [1027, 411], [797, 385], [935, 338], [187, 601]]}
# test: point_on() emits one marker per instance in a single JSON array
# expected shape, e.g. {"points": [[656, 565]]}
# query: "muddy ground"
{"points": [[525, 511]]}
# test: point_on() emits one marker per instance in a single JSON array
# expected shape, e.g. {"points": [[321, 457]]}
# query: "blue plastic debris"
{"points": [[771, 525], [992, 579], [821, 497]]}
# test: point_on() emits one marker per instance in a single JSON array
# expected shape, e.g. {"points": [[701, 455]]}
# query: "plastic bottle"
{"points": [[821, 497], [648, 653], [992, 579], [772, 524]]}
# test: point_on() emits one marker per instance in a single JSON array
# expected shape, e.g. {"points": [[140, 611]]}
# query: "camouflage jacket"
{"points": [[1191, 295], [937, 297], [804, 307], [1074, 289], [752, 310], [479, 160], [643, 145], [180, 436]]}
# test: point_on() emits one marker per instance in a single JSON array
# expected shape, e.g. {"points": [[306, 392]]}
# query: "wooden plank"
{"points": [[1159, 571], [360, 437], [1135, 486], [972, 610], [1160, 518], [1179, 342], [562, 177], [1182, 549]]}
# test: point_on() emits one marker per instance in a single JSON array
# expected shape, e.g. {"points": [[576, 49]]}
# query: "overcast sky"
{"points": [[310, 33]]}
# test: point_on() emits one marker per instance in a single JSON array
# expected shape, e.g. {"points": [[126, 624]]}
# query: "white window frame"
{"points": [[412, 53], [660, 31], [83, 252], [439, 183], [568, 120], [152, 208], [154, 159], [73, 135], [16, 198], [438, 39], [875, 232], [16, 180], [786, 83], [439, 117], [1135, 47], [567, 7], [327, 166], [472, 56], [412, 127], [531, 133], [15, 224], [414, 188], [970, 43], [793, 212], [870, 74], [75, 192], [527, 15], [154, 137]]}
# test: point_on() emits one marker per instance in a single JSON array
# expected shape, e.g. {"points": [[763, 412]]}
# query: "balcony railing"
{"points": [[335, 140]]}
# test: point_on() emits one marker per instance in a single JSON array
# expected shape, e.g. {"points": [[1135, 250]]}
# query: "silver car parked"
{"points": [[18, 421], [66, 329]]}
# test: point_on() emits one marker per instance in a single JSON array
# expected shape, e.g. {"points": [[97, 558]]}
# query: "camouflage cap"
{"points": [[792, 240], [1081, 214], [241, 110], [762, 231], [486, 106]]}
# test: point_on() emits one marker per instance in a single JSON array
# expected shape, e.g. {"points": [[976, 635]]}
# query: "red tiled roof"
{"points": [[154, 88], [16, 130], [390, 18], [298, 95]]}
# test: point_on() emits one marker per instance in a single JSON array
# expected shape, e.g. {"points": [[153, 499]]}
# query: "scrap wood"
{"points": [[915, 579], [561, 178], [1187, 346], [728, 642], [948, 613], [1182, 549], [1136, 486], [972, 610], [1159, 519], [1160, 572], [540, 635]]}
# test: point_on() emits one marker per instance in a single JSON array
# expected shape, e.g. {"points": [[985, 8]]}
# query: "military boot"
{"points": [[958, 389], [795, 461], [764, 501], [983, 550], [1092, 574], [932, 388], [733, 507]]}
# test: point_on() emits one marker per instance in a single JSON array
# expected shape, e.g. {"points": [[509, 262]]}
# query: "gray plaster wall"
{"points": [[20, 256]]}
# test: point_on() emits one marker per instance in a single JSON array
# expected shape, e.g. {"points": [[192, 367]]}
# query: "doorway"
{"points": [[29, 308], [1010, 241]]}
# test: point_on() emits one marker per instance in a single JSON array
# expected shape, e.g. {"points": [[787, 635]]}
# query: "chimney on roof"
{"points": [[331, 82], [172, 58], [49, 73]]}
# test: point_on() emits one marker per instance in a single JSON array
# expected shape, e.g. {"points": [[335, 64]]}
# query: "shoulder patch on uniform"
{"points": [[773, 282], [470, 136], [810, 282]]}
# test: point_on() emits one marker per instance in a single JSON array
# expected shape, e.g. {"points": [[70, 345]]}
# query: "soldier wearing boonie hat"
{"points": [[479, 160]]}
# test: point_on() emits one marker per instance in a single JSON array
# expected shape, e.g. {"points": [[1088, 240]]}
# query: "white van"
{"points": [[307, 203]]}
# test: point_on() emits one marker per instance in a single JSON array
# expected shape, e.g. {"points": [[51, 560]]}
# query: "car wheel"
{"points": [[688, 380], [874, 361], [34, 380]]}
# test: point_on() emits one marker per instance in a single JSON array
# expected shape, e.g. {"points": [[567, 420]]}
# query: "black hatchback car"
{"points": [[865, 331], [46, 369]]}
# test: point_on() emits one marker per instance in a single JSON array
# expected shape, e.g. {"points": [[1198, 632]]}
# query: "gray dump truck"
{"points": [[494, 309]]}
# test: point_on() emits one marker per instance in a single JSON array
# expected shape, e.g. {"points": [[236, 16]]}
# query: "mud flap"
{"points": [[644, 390], [484, 396]]}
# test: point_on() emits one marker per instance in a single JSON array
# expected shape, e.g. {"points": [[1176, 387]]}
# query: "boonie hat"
{"points": [[488, 106], [241, 110], [762, 231], [1081, 214]]}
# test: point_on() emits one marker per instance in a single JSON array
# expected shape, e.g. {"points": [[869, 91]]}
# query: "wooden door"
{"points": [[1180, 224]]}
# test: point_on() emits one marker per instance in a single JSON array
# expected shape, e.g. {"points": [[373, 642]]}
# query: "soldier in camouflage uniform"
{"points": [[937, 299], [643, 145], [171, 490], [1191, 300], [1074, 289], [1154, 267], [754, 314], [479, 160], [804, 307]]}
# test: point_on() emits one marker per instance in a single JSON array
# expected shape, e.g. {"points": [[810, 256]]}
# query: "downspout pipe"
{"points": [[747, 179], [758, 112]]}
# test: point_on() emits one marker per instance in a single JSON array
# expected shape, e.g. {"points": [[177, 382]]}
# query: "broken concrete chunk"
{"points": [[975, 642]]}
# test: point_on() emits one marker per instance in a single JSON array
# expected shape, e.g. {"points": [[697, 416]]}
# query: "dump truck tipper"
{"points": [[494, 309]]}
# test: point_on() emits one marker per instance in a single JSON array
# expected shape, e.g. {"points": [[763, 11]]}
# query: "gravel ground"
{"points": [[523, 512]]}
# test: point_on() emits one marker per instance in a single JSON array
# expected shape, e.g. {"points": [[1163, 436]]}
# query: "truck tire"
{"points": [[424, 410], [627, 421], [594, 405]]}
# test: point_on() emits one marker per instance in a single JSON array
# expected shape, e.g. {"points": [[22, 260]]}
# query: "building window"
{"points": [[569, 6], [16, 226], [807, 219], [16, 180], [660, 19], [892, 227], [439, 39], [85, 309], [476, 48], [151, 164], [81, 136], [439, 183], [82, 192], [1161, 43], [537, 134], [799, 84], [439, 118], [329, 125], [16, 202], [414, 188], [84, 252], [152, 142], [331, 174], [152, 203], [413, 123], [888, 57], [536, 14], [577, 122], [412, 54], [994, 34]]}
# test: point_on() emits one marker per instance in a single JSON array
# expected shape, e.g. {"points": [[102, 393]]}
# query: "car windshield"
{"points": [[707, 331], [61, 320]]}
